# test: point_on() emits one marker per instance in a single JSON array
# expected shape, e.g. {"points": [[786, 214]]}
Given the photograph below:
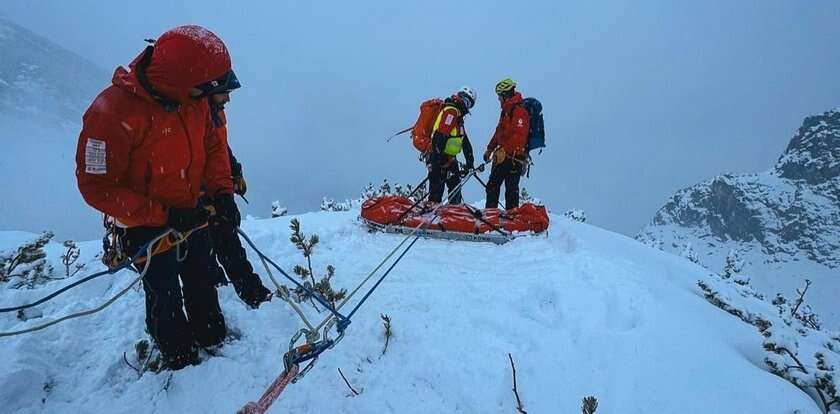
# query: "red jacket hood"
{"points": [[183, 57], [511, 102]]}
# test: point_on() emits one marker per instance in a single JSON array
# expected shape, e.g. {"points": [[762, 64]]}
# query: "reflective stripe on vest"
{"points": [[456, 139]]}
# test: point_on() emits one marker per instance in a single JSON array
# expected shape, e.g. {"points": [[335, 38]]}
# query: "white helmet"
{"points": [[467, 94]]}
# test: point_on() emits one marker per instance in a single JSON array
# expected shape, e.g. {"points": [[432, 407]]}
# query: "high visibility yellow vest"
{"points": [[456, 137]]}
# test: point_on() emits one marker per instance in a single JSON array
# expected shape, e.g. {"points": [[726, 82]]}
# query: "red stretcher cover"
{"points": [[386, 210]]}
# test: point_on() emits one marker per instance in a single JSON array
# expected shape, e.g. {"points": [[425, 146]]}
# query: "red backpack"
{"points": [[421, 133]]}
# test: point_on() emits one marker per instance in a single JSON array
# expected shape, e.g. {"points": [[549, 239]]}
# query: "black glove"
{"points": [[486, 156], [226, 208], [186, 219], [251, 290], [470, 166], [239, 185]]}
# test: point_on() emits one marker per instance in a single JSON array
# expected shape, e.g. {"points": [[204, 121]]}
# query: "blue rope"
{"points": [[86, 279], [381, 278], [312, 293]]}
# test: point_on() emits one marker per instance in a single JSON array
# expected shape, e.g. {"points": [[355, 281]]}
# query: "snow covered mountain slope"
{"points": [[785, 223], [44, 90], [582, 311], [42, 81]]}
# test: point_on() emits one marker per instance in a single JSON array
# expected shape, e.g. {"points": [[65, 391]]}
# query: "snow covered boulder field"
{"points": [[582, 311]]}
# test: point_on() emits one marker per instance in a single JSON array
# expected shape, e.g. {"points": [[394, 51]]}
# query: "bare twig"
{"points": [[347, 382], [519, 407], [589, 405], [386, 321]]}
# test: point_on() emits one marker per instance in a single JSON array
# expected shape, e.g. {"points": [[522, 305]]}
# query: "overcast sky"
{"points": [[641, 98]]}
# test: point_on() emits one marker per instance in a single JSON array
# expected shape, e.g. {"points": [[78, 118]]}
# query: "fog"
{"points": [[640, 98]]}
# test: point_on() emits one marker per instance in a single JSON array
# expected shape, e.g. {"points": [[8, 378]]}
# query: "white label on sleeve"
{"points": [[95, 156]]}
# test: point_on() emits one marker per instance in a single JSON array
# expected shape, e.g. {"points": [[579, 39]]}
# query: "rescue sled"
{"points": [[398, 214]]}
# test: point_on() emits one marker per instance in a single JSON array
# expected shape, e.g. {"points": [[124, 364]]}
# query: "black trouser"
{"points": [[166, 299], [228, 250], [509, 172], [448, 173]]}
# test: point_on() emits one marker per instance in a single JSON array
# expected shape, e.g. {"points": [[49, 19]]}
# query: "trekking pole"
{"points": [[399, 133]]}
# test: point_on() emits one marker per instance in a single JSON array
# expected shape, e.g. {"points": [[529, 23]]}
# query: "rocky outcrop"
{"points": [[788, 212]]}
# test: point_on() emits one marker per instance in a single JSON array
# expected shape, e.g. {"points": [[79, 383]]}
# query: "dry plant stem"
{"points": [[519, 407], [801, 298], [386, 320], [347, 382]]}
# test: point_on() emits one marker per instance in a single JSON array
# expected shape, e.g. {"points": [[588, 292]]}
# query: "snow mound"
{"points": [[582, 311]]}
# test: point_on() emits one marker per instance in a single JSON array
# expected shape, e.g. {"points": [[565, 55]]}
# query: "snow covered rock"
{"points": [[786, 220]]}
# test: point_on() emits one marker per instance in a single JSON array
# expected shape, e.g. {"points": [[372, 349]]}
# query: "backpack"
{"points": [[421, 133], [536, 133]]}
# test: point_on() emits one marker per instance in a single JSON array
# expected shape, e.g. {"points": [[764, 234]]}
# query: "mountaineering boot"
{"points": [[179, 361]]}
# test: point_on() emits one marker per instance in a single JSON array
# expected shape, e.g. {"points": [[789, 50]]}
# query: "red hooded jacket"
{"points": [[137, 157], [512, 131]]}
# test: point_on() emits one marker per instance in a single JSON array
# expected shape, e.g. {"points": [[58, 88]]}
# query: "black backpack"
{"points": [[536, 133]]}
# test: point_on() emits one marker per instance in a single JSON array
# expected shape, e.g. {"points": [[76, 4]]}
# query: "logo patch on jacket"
{"points": [[95, 156], [449, 119], [520, 123]]}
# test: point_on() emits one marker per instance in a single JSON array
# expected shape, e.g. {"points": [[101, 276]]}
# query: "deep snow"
{"points": [[583, 312]]}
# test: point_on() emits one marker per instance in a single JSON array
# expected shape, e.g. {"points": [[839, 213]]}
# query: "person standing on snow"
{"points": [[146, 147], [227, 248], [508, 147], [449, 138]]}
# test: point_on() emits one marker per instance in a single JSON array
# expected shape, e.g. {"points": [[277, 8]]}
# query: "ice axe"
{"points": [[399, 133]]}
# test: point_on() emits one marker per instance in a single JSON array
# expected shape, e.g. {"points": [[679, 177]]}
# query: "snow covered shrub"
{"points": [[689, 253], [328, 204], [70, 257], [322, 287], [386, 188], [733, 265], [27, 264], [576, 215], [526, 197], [589, 405], [277, 210], [370, 191], [797, 350]]}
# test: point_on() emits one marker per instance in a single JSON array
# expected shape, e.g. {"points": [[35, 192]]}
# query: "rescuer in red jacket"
{"points": [[227, 248], [509, 142], [146, 147]]}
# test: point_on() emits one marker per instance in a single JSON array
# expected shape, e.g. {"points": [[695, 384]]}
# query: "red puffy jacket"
{"points": [[137, 157], [512, 131]]}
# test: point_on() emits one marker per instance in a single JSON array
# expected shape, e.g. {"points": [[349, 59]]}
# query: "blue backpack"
{"points": [[536, 134]]}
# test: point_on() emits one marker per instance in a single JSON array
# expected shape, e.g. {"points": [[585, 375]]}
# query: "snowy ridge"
{"points": [[583, 312], [784, 222], [42, 81], [44, 90]]}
